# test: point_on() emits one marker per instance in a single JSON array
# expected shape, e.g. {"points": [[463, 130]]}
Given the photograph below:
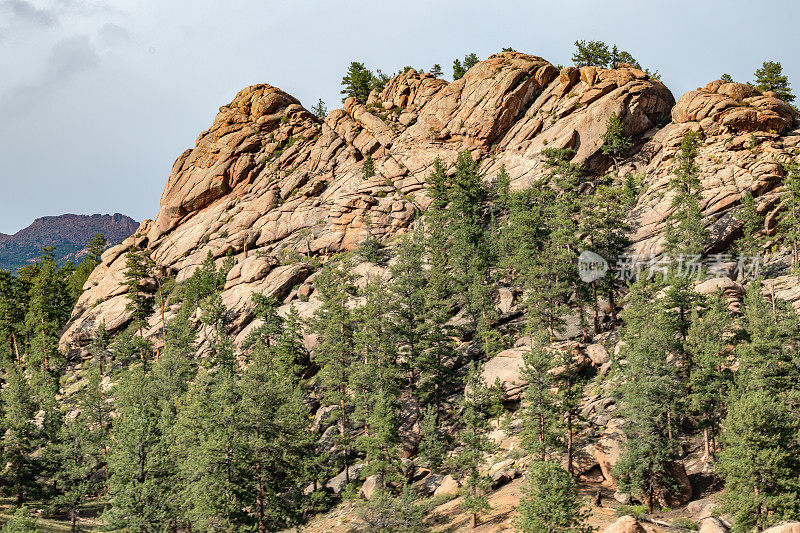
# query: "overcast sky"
{"points": [[97, 99]]}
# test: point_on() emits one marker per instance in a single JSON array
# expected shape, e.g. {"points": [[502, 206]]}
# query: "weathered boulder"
{"points": [[598, 354], [789, 527], [625, 524], [339, 482], [370, 486], [447, 487], [609, 448], [712, 525]]}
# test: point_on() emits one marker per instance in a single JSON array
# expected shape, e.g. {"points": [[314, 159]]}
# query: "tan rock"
{"points": [[448, 487], [609, 448], [370, 486], [625, 524], [790, 527], [712, 525], [598, 354]]}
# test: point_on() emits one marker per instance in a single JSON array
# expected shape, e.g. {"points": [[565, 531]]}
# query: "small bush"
{"points": [[639, 512], [684, 524]]}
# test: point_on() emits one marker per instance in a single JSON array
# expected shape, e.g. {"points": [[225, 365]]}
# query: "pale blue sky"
{"points": [[97, 98]]}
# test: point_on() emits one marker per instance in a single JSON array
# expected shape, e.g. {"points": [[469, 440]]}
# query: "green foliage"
{"points": [[639, 512], [140, 298], [357, 82], [368, 170], [615, 143], [432, 450], [22, 440], [78, 278], [600, 54], [790, 222], [320, 109], [541, 417], [683, 524], [684, 230], [386, 512], [759, 460], [770, 77], [749, 244], [650, 396], [707, 344], [550, 502], [436, 71], [21, 522], [474, 444], [591, 54], [727, 78], [459, 68]]}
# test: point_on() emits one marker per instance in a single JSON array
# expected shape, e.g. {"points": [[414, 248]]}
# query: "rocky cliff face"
{"points": [[271, 184]]}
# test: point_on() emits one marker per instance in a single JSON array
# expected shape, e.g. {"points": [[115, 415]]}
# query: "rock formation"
{"points": [[272, 185]]}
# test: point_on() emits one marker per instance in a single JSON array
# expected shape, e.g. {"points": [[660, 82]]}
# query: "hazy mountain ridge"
{"points": [[68, 233]]}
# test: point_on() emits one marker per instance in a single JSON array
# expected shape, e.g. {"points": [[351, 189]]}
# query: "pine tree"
{"points": [[80, 451], [431, 449], [474, 444], [13, 304], [550, 502], [357, 82], [568, 400], [386, 512], [591, 54], [335, 353], [759, 461], [140, 298], [540, 415], [458, 70], [21, 522], [94, 250], [142, 488], [320, 109], [707, 343], [275, 420], [684, 231], [603, 220], [650, 394], [551, 276], [470, 250], [436, 71], [375, 381], [727, 78], [470, 60], [211, 452], [770, 77], [615, 143], [408, 309], [49, 307], [767, 354], [749, 244], [790, 223], [21, 441]]}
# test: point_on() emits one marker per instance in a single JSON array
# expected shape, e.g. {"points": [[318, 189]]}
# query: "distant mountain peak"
{"points": [[68, 234]]}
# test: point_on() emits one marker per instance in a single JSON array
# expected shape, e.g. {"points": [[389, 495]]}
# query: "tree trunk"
{"points": [[474, 521], [596, 309], [262, 526], [706, 445], [613, 305], [570, 443]]}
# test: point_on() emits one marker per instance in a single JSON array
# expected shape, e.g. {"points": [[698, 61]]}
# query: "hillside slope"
{"points": [[67, 233]]}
